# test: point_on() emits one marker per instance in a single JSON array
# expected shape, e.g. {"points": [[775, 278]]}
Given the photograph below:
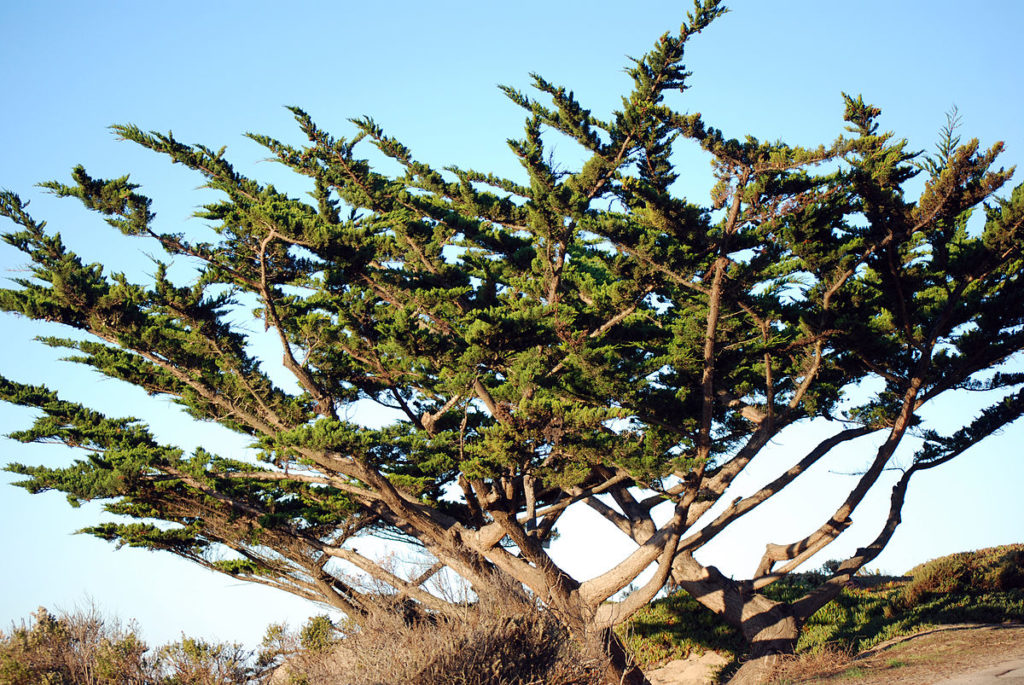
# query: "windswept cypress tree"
{"points": [[588, 338]]}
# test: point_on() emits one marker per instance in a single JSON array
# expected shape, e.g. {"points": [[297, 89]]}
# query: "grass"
{"points": [[676, 627], [985, 586]]}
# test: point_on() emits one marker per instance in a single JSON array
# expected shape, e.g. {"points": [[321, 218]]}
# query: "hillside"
{"points": [[981, 587]]}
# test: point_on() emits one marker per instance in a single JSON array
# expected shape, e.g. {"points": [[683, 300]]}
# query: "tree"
{"points": [[581, 338]]}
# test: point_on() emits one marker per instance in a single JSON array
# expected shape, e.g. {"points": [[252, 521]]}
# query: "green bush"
{"points": [[318, 635]]}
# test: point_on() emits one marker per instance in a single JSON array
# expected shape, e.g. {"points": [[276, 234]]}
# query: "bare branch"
{"points": [[378, 572], [800, 551], [324, 401], [747, 504]]}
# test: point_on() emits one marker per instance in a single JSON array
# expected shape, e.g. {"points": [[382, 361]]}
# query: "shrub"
{"points": [[86, 648], [81, 647], [197, 662], [507, 645], [995, 569], [318, 635]]}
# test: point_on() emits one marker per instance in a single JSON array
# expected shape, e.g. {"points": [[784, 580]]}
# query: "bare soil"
{"points": [[922, 659]]}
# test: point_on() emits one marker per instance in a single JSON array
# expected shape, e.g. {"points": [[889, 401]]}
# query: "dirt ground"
{"points": [[926, 658]]}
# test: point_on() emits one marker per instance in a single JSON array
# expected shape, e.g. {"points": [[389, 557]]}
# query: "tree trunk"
{"points": [[769, 627], [620, 668], [771, 630]]}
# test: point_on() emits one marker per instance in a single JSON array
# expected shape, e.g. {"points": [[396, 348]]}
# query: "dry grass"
{"points": [[810, 666], [510, 645]]}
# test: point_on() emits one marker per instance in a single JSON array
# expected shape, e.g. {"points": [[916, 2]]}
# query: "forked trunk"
{"points": [[769, 627]]}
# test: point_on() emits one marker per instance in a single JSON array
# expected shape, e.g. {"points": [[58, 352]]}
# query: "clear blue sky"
{"points": [[427, 72]]}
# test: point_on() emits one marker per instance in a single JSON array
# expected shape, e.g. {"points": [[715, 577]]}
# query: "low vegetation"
{"points": [[510, 645], [985, 586], [515, 644], [675, 628], [84, 647], [520, 645]]}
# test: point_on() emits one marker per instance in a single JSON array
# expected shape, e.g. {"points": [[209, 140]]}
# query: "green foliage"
{"points": [[859, 618]]}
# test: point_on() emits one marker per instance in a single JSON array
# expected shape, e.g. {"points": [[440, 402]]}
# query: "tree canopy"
{"points": [[583, 338]]}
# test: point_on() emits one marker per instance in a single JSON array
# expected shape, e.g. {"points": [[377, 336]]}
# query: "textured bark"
{"points": [[620, 669]]}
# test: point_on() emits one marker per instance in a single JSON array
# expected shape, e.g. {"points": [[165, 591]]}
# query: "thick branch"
{"points": [[597, 590], [612, 614]]}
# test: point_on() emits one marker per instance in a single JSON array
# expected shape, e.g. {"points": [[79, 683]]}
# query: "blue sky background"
{"points": [[428, 73]]}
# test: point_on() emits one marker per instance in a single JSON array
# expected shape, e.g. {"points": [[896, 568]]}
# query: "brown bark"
{"points": [[769, 626]]}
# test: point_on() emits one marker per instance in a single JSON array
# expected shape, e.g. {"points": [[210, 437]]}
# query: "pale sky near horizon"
{"points": [[210, 71]]}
